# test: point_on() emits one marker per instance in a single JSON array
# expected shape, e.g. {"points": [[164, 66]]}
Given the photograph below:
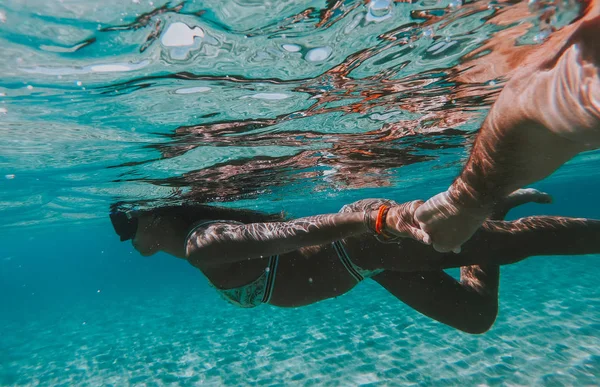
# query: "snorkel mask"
{"points": [[125, 224]]}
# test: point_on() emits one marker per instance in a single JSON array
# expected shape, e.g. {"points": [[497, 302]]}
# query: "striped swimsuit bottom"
{"points": [[260, 290]]}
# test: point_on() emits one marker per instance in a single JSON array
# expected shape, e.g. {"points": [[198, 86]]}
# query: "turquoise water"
{"points": [[273, 105]]}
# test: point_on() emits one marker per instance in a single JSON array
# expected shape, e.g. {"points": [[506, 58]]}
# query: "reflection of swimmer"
{"points": [[547, 113], [253, 258]]}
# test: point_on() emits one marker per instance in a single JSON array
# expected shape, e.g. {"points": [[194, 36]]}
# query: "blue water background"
{"points": [[81, 308], [90, 114]]}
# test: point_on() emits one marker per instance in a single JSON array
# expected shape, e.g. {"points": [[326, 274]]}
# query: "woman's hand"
{"points": [[400, 221]]}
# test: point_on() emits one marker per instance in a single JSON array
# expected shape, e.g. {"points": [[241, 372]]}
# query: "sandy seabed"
{"points": [[548, 333]]}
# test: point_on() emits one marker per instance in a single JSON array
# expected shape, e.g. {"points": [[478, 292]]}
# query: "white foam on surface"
{"points": [[111, 68]]}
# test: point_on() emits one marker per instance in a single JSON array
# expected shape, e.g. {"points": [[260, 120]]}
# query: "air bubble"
{"points": [[379, 10], [455, 4], [541, 37], [318, 54], [192, 90], [428, 32], [291, 47], [181, 35]]}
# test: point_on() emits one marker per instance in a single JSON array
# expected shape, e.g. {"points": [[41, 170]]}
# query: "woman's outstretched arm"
{"points": [[223, 242]]}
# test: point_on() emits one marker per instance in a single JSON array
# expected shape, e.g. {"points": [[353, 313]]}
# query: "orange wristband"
{"points": [[380, 222]]}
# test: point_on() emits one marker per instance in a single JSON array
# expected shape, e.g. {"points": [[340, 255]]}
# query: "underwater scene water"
{"points": [[295, 106]]}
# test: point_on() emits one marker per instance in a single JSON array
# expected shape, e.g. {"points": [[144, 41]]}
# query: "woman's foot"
{"points": [[518, 198]]}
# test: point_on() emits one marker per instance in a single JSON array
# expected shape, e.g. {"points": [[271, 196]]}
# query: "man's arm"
{"points": [[548, 113]]}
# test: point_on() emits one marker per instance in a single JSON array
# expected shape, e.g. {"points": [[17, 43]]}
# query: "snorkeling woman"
{"points": [[252, 258]]}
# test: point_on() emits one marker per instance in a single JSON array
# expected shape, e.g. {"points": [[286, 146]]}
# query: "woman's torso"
{"points": [[302, 277], [307, 275]]}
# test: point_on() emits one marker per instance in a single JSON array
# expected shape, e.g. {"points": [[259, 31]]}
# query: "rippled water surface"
{"points": [[230, 101], [298, 106]]}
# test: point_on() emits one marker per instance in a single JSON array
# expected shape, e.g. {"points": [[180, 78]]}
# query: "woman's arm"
{"points": [[220, 243], [496, 243]]}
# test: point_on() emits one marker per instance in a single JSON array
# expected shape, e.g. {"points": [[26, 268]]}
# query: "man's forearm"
{"points": [[505, 158]]}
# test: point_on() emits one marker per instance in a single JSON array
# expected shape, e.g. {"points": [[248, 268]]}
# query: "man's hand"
{"points": [[400, 221]]}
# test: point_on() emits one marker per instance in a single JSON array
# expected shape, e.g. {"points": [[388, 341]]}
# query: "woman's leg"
{"points": [[518, 198], [503, 243], [411, 256], [469, 305]]}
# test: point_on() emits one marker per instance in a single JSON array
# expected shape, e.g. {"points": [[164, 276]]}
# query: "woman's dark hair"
{"points": [[125, 222]]}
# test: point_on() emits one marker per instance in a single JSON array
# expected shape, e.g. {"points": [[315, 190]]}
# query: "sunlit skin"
{"points": [[546, 114], [231, 255]]}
